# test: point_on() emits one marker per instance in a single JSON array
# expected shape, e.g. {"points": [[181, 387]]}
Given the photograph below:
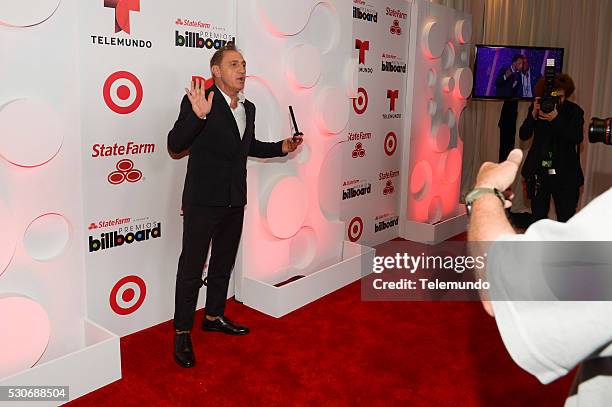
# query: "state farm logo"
{"points": [[123, 8], [392, 95], [125, 172], [129, 148], [108, 223], [389, 188], [355, 229], [358, 151], [191, 23], [122, 92], [390, 143], [388, 175], [122, 12], [361, 135], [395, 28], [360, 103], [396, 13]]}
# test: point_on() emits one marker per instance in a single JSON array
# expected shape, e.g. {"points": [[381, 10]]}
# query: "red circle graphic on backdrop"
{"points": [[360, 103], [122, 92], [127, 295], [390, 143], [355, 229]]}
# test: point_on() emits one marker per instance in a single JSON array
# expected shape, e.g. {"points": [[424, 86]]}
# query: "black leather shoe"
{"points": [[223, 324], [183, 350]]}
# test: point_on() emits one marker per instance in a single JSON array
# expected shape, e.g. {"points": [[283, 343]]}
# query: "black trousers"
{"points": [[507, 128], [565, 195], [202, 225]]}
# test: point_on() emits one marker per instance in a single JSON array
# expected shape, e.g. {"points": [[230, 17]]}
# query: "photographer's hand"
{"points": [[502, 175], [549, 117]]}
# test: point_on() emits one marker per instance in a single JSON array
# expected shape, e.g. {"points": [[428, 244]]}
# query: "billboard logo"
{"points": [[388, 66], [127, 295], [353, 192], [390, 143], [395, 28], [122, 12], [362, 46], [389, 188], [355, 229], [360, 13], [122, 92], [386, 224], [359, 151], [360, 103], [125, 172], [108, 240], [392, 95], [194, 40]]}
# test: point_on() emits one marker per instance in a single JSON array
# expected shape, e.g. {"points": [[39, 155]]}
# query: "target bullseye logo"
{"points": [[122, 92], [355, 229], [125, 172], [390, 143], [360, 103], [127, 295]]}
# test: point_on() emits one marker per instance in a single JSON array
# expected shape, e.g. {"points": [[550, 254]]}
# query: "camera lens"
{"points": [[600, 130]]}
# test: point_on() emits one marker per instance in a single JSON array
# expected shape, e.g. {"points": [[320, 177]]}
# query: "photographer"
{"points": [[552, 167], [546, 338]]}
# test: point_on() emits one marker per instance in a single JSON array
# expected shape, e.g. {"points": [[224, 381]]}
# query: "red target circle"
{"points": [[390, 143], [123, 300], [123, 92], [360, 103], [355, 229]]}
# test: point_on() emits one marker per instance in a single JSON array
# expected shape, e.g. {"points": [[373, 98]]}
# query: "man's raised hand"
{"points": [[197, 96]]}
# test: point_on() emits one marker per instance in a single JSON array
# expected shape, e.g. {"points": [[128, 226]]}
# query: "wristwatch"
{"points": [[478, 192]]}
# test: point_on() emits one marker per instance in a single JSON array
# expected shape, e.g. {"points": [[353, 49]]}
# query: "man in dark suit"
{"points": [[508, 83], [217, 126], [552, 167]]}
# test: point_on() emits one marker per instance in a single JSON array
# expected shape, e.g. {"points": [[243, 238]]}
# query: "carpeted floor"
{"points": [[336, 351]]}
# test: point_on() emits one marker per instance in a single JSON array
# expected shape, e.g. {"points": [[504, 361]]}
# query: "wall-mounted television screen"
{"points": [[511, 72]]}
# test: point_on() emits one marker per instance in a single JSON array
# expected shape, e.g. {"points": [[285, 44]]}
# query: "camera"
{"points": [[550, 100], [600, 130]]}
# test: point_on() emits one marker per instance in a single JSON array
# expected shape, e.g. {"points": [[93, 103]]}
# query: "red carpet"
{"points": [[336, 351]]}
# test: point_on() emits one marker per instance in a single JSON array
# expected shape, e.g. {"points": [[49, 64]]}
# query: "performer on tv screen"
{"points": [[509, 82]]}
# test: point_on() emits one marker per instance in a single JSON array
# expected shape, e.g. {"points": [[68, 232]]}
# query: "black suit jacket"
{"points": [[216, 171], [562, 136], [506, 87]]}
